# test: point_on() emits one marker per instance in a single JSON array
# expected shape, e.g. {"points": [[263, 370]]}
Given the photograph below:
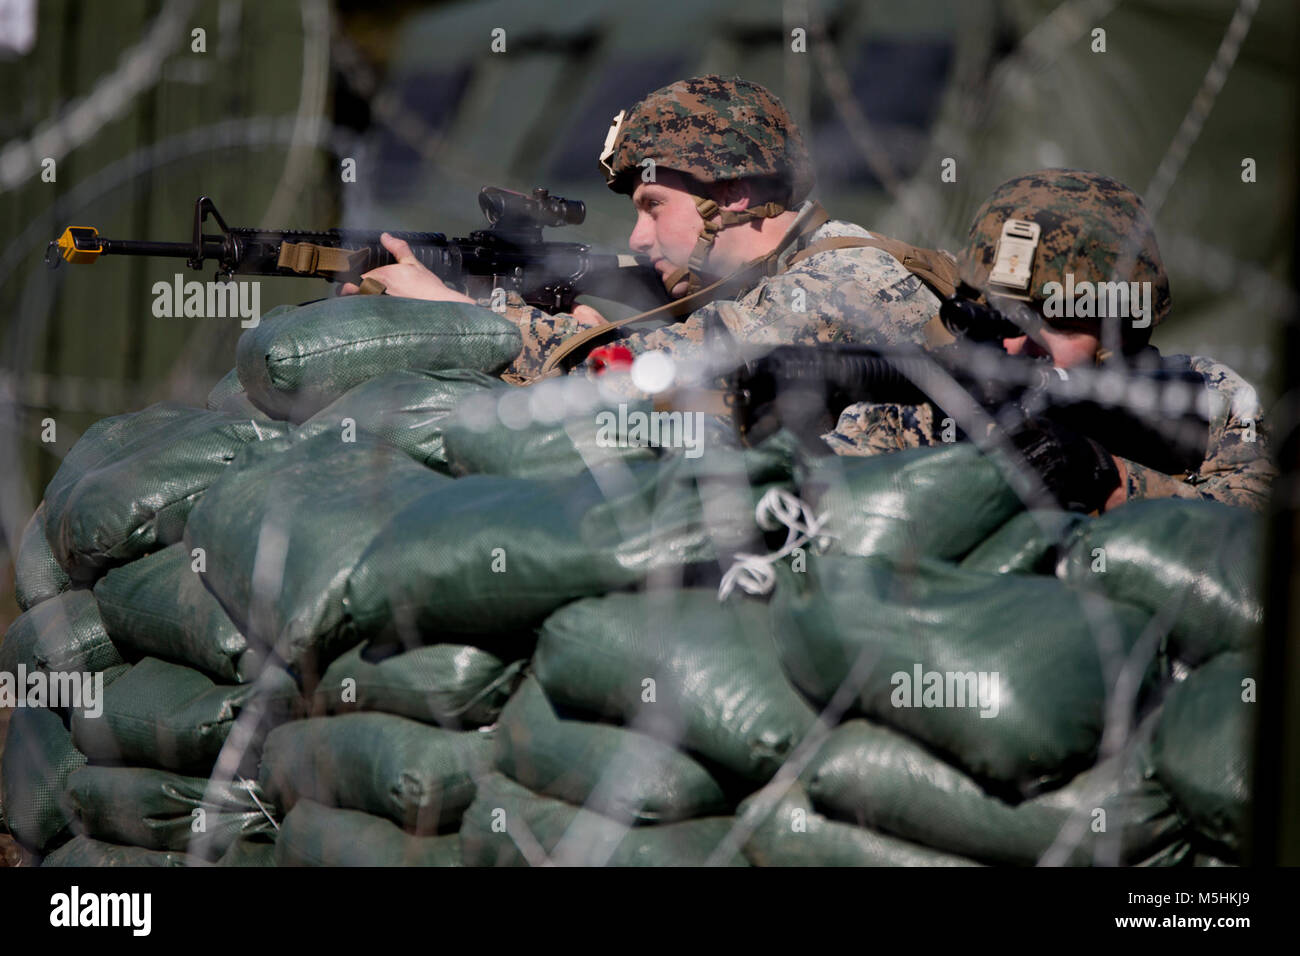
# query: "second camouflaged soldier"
{"points": [[1062, 242], [719, 177]]}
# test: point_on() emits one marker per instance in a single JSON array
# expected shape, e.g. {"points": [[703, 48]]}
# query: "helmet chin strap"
{"points": [[708, 210]]}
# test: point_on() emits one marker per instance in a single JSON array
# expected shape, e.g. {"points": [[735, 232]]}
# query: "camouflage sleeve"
{"points": [[1238, 469], [874, 429], [541, 334], [862, 296]]}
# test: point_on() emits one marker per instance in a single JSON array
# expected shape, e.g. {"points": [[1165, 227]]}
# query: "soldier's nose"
{"points": [[642, 238]]}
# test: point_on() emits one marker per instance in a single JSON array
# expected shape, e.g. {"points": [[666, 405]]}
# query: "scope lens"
{"points": [[574, 211]]}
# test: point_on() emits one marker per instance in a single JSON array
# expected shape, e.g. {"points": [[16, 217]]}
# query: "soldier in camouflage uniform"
{"points": [[718, 175], [1097, 230]]}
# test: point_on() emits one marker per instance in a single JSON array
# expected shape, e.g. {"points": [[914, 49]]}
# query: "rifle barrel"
{"points": [[145, 247]]}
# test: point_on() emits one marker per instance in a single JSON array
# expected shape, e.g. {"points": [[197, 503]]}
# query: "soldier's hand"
{"points": [[407, 277], [1120, 494], [1079, 473], [587, 316]]}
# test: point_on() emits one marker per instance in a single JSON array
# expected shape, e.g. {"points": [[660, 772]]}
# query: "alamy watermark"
{"points": [[76, 909], [208, 300], [1101, 300], [70, 690], [627, 428], [922, 688]]}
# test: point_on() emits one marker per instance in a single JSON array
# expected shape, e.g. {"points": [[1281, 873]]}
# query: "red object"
{"points": [[609, 357]]}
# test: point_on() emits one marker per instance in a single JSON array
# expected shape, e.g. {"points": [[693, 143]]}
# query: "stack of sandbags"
{"points": [[636, 739], [355, 614], [580, 792], [283, 529], [159, 747], [122, 492], [56, 650], [1042, 660], [385, 778], [525, 547], [128, 485], [417, 777], [885, 796], [1194, 568], [94, 768], [509, 825]]}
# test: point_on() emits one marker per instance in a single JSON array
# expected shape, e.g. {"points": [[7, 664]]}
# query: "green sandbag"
{"points": [[525, 548], [301, 358], [250, 851], [175, 718], [420, 777], [1027, 544], [617, 772], [157, 606], [228, 396], [921, 626], [37, 576], [155, 809], [874, 777], [65, 633], [406, 408], [316, 835], [84, 851], [925, 502], [479, 443], [1194, 564], [313, 506], [1202, 749], [794, 834], [451, 685], [128, 484], [719, 689], [34, 768], [227, 386], [504, 815]]}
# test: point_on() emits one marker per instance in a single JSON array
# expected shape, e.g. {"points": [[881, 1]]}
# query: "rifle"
{"points": [[1143, 409], [509, 254]]}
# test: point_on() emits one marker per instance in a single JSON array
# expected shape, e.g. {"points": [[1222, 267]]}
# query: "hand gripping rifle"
{"points": [[1066, 422], [510, 254]]}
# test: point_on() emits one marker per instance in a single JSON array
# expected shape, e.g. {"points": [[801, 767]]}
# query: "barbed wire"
{"points": [[1190, 128], [138, 69]]}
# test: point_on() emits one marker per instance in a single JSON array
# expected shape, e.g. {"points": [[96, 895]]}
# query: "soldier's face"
{"points": [[1066, 349], [667, 225]]}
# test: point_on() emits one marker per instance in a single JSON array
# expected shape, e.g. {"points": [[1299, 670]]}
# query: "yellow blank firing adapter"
{"points": [[79, 244]]}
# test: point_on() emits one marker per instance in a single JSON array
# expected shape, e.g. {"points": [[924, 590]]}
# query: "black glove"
{"points": [[1078, 472]]}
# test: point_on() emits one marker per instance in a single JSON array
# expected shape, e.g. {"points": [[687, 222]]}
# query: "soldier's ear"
{"points": [[734, 194]]}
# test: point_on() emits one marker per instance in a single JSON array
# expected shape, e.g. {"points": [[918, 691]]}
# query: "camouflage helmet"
{"points": [[1066, 226], [713, 129]]}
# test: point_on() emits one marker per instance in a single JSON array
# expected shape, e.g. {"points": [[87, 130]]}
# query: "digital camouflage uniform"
{"points": [[714, 129], [861, 295], [1096, 228]]}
